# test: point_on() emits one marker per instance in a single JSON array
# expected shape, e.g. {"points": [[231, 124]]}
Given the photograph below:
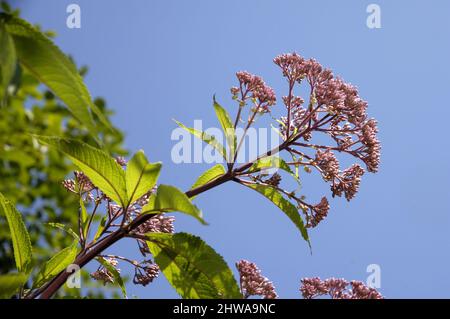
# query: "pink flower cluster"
{"points": [[337, 289], [343, 182], [336, 110], [317, 213], [253, 283], [252, 86], [159, 223], [103, 274], [145, 275]]}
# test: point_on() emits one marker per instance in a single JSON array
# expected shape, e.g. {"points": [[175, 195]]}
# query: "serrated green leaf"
{"points": [[41, 57], [211, 140], [7, 60], [208, 176], [19, 234], [192, 267], [284, 205], [171, 199], [141, 176], [101, 169], [117, 278], [65, 228], [10, 283], [228, 128], [56, 264]]}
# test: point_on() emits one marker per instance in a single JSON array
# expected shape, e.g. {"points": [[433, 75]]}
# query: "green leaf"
{"points": [[101, 169], [192, 267], [84, 218], [41, 57], [101, 227], [56, 264], [7, 60], [10, 283], [286, 206], [65, 228], [19, 234], [171, 199], [268, 163], [141, 176], [208, 176], [211, 140], [117, 278], [227, 126]]}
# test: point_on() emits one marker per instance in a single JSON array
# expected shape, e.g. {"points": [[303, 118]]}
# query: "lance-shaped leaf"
{"points": [[115, 273], [65, 228], [141, 176], [7, 60], [19, 234], [209, 139], [272, 162], [171, 199], [102, 170], [41, 57], [192, 267], [208, 176], [10, 284], [101, 227], [84, 219], [286, 206], [56, 264], [227, 126]]}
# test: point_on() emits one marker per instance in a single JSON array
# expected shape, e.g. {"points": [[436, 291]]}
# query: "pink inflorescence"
{"points": [[103, 274], [145, 275], [337, 289], [318, 213], [252, 86], [337, 101], [253, 283], [159, 223], [334, 109]]}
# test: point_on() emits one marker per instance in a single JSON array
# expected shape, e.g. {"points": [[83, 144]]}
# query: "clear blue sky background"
{"points": [[158, 60]]}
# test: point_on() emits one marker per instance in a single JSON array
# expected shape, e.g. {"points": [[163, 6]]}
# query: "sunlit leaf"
{"points": [[192, 267], [65, 228], [83, 218], [171, 199], [19, 234], [56, 264], [41, 57], [101, 227], [227, 126], [209, 175], [101, 169], [211, 140], [141, 176], [270, 163]]}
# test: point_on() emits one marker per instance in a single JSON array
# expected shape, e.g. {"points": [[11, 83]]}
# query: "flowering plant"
{"points": [[124, 198]]}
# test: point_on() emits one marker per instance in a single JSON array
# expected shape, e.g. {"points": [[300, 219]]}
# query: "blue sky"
{"points": [[158, 60]]}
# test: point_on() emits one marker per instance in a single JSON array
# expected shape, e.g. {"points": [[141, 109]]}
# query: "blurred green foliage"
{"points": [[30, 174]]}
